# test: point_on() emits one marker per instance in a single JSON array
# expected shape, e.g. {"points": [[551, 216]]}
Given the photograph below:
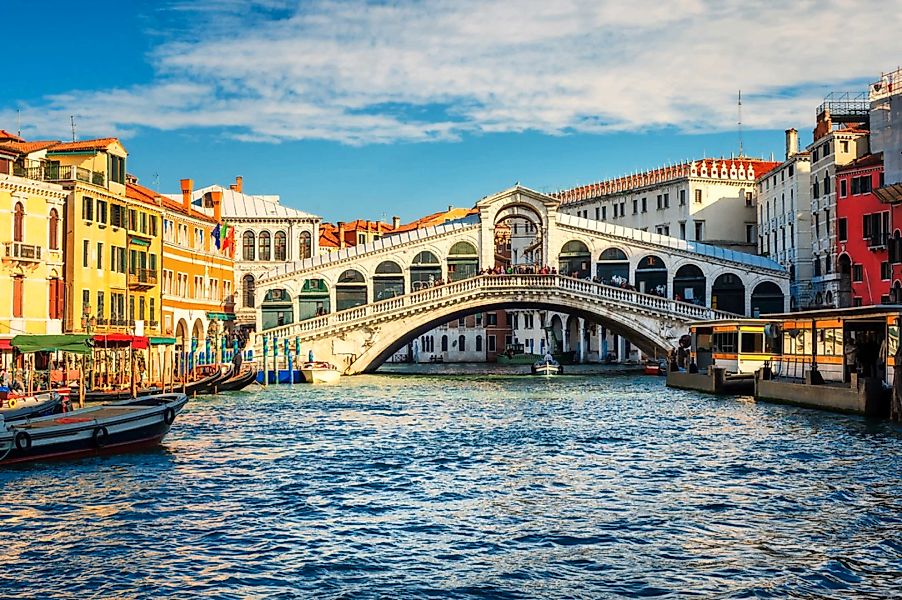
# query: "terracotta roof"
{"points": [[6, 135], [868, 160], [436, 219], [328, 236], [148, 196], [96, 144], [28, 147]]}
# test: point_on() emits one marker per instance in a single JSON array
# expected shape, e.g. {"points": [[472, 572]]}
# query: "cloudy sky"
{"points": [[354, 109]]}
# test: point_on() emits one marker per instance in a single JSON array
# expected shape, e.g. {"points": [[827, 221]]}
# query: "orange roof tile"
{"points": [[96, 144], [6, 135], [28, 147]]}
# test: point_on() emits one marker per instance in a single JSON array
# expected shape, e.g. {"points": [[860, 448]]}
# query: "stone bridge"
{"points": [[358, 305]]}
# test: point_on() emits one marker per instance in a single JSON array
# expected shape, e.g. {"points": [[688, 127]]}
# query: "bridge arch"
{"points": [[575, 259], [620, 322], [690, 284], [767, 297], [388, 280], [728, 293], [463, 261], [277, 308], [650, 276], [425, 269], [314, 298], [350, 290], [613, 266]]}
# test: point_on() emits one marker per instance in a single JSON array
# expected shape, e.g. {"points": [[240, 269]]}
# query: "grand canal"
{"points": [[469, 486]]}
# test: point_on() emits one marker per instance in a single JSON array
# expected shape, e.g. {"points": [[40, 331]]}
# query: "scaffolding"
{"points": [[888, 84]]}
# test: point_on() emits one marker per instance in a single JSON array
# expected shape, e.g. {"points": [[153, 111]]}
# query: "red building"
{"points": [[868, 236]]}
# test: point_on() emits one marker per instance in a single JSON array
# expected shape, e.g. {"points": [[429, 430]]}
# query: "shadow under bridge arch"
{"points": [[647, 334]]}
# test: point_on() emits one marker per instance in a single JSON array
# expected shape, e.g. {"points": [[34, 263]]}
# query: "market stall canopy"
{"points": [[74, 344], [121, 340]]}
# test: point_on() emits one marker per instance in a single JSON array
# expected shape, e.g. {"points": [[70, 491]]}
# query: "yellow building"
{"points": [[112, 243], [31, 250], [197, 278]]}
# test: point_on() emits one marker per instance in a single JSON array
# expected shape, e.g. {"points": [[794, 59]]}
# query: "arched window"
{"points": [[18, 222], [305, 249], [478, 343], [265, 246], [247, 290], [281, 246], [826, 184], [247, 243], [444, 343], [462, 343], [54, 229]]}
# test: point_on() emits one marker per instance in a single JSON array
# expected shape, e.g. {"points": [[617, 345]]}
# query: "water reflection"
{"points": [[487, 485]]}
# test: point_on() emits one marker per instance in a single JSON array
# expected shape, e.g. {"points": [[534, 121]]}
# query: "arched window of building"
{"points": [[18, 222], [247, 243], [444, 343], [264, 241], [462, 343], [281, 246], [54, 229], [247, 291], [305, 248], [478, 343]]}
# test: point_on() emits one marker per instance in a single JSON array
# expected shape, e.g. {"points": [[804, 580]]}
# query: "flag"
{"points": [[228, 239], [215, 236]]}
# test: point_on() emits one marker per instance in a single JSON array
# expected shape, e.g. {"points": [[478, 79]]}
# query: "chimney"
{"points": [[449, 208], [341, 234], [239, 184], [158, 200], [395, 222], [187, 190], [216, 199], [792, 143]]}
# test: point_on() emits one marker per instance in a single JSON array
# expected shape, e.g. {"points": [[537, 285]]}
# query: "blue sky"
{"points": [[366, 110]]}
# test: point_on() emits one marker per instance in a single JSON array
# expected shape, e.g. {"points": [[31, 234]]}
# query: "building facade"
{"points": [[836, 143], [709, 200], [32, 296], [197, 277], [784, 219]]}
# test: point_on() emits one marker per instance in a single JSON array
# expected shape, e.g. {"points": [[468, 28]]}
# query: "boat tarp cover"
{"points": [[73, 343]]}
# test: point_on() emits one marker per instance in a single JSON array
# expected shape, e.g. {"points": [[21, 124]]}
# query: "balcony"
{"points": [[22, 253], [143, 279], [57, 173]]}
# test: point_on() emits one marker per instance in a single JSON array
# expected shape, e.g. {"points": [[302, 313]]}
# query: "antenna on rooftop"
{"points": [[19, 122], [72, 123], [156, 181], [739, 123]]}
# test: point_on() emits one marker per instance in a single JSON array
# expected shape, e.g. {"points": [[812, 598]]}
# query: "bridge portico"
{"points": [[424, 271]]}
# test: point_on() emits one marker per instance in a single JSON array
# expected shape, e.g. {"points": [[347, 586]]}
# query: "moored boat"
{"points": [[246, 376], [653, 367], [119, 427], [20, 406], [547, 368], [320, 372]]}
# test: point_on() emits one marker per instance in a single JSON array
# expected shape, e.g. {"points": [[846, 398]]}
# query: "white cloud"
{"points": [[415, 71]]}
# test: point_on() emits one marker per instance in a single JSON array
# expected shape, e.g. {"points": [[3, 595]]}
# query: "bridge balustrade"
{"points": [[489, 283]]}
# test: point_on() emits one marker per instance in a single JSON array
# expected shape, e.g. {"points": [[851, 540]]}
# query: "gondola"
{"points": [[119, 427], [212, 383], [244, 378]]}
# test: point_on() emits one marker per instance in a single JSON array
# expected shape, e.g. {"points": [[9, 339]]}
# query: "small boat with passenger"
{"points": [[320, 372], [547, 367], [119, 427]]}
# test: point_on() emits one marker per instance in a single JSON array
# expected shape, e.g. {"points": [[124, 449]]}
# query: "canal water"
{"points": [[476, 485]]}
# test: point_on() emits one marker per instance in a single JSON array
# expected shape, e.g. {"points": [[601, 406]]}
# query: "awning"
{"points": [[120, 340], [221, 316], [161, 341], [138, 241], [74, 344], [5, 344]]}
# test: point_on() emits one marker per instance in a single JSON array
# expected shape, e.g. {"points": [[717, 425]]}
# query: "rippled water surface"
{"points": [[478, 486]]}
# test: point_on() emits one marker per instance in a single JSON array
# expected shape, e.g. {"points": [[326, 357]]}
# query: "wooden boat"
{"points": [[119, 427], [214, 377], [653, 367], [244, 378], [14, 406], [320, 372], [547, 368], [192, 388]]}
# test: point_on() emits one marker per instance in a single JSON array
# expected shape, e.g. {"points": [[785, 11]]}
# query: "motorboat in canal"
{"points": [[14, 406], [119, 427], [547, 368], [320, 372]]}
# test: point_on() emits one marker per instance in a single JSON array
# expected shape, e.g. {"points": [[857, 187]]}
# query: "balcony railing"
{"points": [[22, 252], [142, 279], [52, 172], [877, 240]]}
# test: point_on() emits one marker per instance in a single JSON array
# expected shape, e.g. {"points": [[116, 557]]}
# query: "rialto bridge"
{"points": [[357, 306]]}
